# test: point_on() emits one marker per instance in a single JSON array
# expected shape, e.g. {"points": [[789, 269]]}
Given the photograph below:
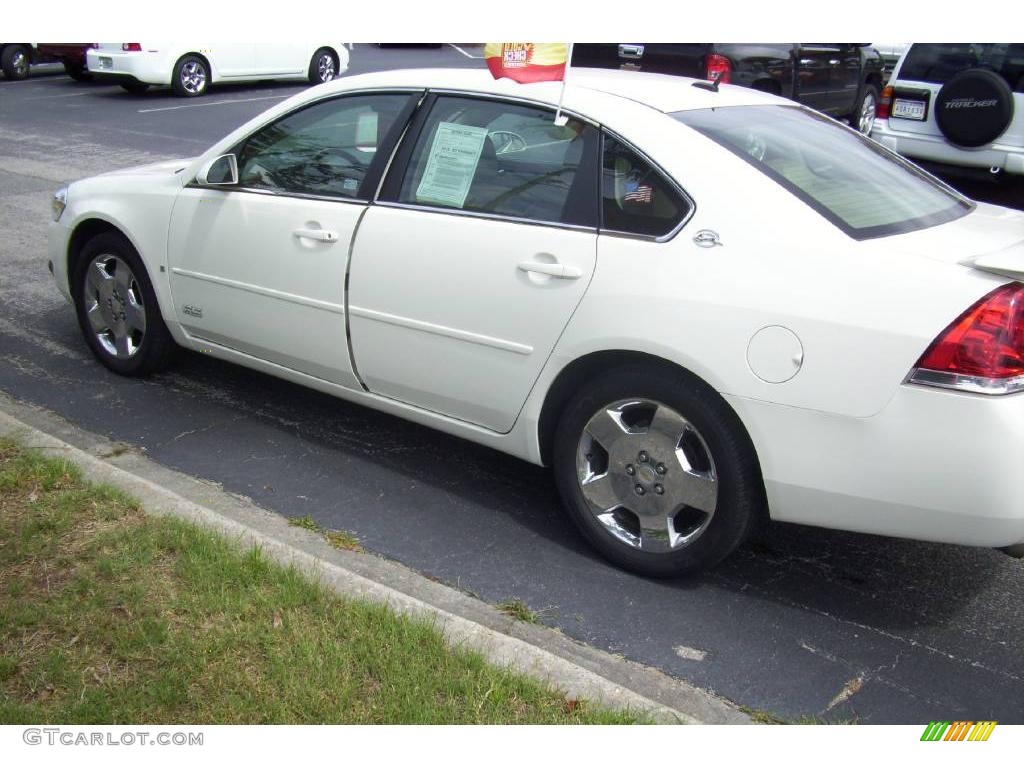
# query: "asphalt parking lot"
{"points": [[810, 623]]}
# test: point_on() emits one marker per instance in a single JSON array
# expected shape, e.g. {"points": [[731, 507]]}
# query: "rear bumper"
{"points": [[109, 66], [936, 149], [933, 465]]}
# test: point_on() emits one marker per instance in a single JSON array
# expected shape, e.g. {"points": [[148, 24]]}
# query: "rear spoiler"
{"points": [[1008, 261]]}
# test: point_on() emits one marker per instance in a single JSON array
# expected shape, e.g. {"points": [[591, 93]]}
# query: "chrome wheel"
{"points": [[114, 306], [325, 68], [647, 475], [193, 77], [866, 119], [19, 63]]}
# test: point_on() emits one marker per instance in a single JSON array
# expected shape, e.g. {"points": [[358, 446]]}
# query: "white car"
{"points": [[959, 104], [700, 307], [190, 69]]}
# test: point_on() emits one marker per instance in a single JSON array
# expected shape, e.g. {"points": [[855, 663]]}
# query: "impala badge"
{"points": [[188, 309]]}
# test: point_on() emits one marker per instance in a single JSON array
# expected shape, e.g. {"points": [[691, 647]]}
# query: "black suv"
{"points": [[839, 79]]}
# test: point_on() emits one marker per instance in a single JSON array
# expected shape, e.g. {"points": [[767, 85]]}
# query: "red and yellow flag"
{"points": [[527, 62]]}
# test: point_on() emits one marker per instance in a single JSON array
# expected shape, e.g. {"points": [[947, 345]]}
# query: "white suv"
{"points": [[957, 104]]}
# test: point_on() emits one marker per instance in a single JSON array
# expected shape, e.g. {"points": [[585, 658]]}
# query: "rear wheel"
{"points": [[657, 472], [77, 72], [323, 67], [191, 76], [117, 308], [863, 117], [15, 62]]}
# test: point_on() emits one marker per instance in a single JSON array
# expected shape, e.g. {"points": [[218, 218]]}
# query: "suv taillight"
{"points": [[131, 46], [716, 65], [983, 350], [884, 104]]}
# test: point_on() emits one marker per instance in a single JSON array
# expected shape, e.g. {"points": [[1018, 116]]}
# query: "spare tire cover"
{"points": [[974, 107]]}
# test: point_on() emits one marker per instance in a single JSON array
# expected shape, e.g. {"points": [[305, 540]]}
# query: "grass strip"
{"points": [[110, 616]]}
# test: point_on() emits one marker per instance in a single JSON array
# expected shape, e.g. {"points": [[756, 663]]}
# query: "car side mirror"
{"points": [[220, 172]]}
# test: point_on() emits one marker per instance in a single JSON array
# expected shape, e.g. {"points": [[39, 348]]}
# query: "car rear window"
{"points": [[938, 62], [861, 187]]}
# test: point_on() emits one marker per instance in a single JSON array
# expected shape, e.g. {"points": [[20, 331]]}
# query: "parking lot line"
{"points": [[58, 96], [214, 103], [464, 53]]}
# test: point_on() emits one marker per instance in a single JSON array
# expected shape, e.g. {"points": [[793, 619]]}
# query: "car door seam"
{"points": [[348, 316]]}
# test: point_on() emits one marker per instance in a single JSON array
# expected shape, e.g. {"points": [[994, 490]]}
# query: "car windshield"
{"points": [[858, 185], [938, 62]]}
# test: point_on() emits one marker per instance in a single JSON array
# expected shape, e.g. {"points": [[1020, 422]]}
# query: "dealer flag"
{"points": [[527, 62]]}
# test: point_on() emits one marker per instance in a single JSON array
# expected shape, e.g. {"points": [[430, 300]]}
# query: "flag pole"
{"points": [[561, 119]]}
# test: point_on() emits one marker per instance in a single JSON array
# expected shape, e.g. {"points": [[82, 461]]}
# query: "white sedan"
{"points": [[703, 308], [190, 69]]}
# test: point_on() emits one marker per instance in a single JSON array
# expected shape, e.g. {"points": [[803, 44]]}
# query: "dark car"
{"points": [[71, 55], [840, 79]]}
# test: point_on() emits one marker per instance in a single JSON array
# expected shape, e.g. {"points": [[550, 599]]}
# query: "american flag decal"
{"points": [[638, 193]]}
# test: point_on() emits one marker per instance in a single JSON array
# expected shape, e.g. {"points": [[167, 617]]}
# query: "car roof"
{"points": [[584, 88]]}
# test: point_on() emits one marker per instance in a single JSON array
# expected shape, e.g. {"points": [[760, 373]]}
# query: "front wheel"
{"points": [[657, 472], [323, 67], [863, 117], [15, 62], [117, 307]]}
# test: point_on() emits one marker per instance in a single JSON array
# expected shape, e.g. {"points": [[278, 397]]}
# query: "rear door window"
{"points": [[635, 198], [938, 62]]}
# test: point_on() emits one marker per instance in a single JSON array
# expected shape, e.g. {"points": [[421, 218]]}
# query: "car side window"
{"points": [[504, 159], [324, 149], [637, 199]]}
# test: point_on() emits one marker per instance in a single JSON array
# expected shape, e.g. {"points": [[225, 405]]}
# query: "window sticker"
{"points": [[366, 131], [451, 164]]}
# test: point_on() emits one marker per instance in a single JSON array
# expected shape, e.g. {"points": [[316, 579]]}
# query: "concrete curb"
{"points": [[576, 669]]}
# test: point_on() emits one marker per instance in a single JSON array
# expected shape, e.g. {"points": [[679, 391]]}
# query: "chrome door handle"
{"points": [[707, 238], [561, 271], [627, 51], [834, 62], [323, 235]]}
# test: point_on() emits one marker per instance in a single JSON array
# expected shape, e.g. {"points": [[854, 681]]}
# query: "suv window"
{"points": [[937, 63], [324, 149], [859, 186], [636, 199], [504, 159]]}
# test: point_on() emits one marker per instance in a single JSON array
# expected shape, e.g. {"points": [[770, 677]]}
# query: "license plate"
{"points": [[106, 62], [910, 110]]}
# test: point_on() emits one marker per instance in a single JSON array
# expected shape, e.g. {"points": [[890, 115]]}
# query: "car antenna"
{"points": [[713, 86]]}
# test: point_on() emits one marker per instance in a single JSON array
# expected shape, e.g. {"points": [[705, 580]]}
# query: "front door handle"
{"points": [[323, 235], [562, 271]]}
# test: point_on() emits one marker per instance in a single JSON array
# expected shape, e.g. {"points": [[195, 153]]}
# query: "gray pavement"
{"points": [[811, 623]]}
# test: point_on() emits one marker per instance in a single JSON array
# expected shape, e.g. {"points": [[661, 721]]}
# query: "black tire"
{"points": [[974, 107], [318, 73], [156, 345], [863, 116], [740, 510], [135, 88], [77, 72], [15, 61], [190, 76]]}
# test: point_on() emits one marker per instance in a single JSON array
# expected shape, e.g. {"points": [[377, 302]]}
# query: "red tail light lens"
{"points": [[716, 65], [131, 46], [983, 350], [884, 104]]}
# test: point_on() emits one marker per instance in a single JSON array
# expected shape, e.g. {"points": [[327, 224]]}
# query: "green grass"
{"points": [[519, 611], [110, 616], [337, 539]]}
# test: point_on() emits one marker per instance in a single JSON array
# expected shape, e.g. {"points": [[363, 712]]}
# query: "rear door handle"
{"points": [[562, 271], [323, 235]]}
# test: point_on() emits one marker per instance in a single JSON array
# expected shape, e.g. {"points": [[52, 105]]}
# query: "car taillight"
{"points": [[983, 350], [884, 104], [716, 65], [131, 46]]}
